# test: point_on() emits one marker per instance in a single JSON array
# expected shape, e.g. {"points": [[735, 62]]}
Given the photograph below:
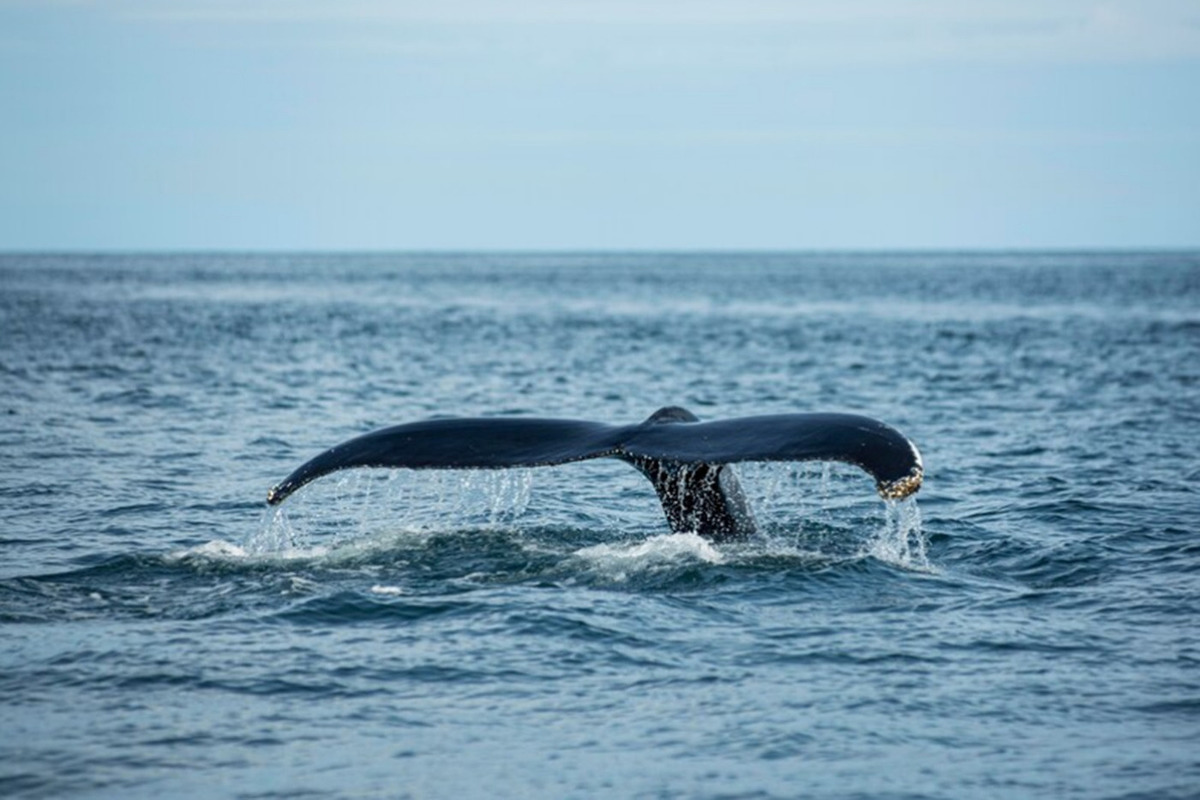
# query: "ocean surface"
{"points": [[1027, 626]]}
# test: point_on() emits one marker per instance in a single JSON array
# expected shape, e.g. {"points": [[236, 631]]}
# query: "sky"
{"points": [[599, 124]]}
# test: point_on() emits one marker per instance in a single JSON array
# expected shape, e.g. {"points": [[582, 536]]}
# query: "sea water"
{"points": [[1026, 626]]}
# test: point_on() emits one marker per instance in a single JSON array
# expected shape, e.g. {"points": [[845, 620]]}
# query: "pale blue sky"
{"points": [[514, 124]]}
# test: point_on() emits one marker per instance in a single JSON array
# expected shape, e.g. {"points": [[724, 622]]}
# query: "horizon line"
{"points": [[526, 251]]}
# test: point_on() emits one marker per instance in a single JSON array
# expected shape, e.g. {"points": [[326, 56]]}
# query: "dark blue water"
{"points": [[1027, 627]]}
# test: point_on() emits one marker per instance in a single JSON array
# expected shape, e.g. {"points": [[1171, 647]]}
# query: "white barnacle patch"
{"points": [[910, 483], [902, 487]]}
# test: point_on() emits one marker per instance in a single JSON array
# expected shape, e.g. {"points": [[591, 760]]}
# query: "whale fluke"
{"points": [[685, 459]]}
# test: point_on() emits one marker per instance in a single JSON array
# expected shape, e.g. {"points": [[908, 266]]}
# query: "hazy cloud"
{"points": [[580, 123], [672, 34]]}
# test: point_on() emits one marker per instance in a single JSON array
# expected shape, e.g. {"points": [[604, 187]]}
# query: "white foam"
{"points": [[387, 590], [221, 550], [668, 548], [218, 548]]}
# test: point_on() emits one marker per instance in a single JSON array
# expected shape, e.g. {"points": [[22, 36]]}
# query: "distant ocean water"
{"points": [[1025, 627]]}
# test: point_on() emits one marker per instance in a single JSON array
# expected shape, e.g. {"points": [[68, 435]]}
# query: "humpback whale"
{"points": [[686, 460]]}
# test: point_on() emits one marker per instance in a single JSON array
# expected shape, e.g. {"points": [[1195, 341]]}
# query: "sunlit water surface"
{"points": [[1026, 627]]}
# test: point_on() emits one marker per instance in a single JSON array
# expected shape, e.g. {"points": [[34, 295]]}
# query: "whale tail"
{"points": [[686, 460], [700, 496]]}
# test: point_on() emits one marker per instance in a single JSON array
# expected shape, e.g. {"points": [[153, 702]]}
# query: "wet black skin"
{"points": [[686, 460]]}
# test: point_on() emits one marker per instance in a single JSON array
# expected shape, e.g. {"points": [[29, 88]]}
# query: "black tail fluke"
{"points": [[686, 460], [459, 443]]}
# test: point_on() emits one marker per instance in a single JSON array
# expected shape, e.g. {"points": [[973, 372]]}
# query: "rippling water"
{"points": [[1026, 627]]}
